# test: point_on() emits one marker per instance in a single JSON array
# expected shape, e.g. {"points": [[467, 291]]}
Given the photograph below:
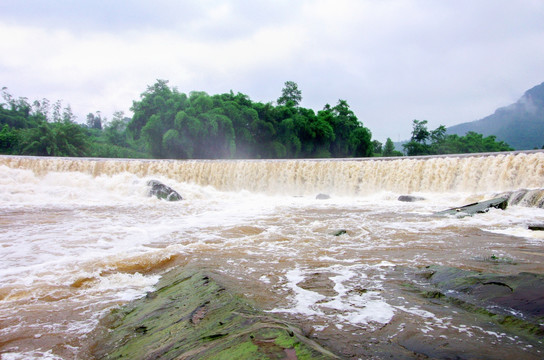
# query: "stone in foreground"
{"points": [[191, 316]]}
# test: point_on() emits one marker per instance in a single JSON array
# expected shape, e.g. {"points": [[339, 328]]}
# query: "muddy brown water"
{"points": [[80, 237]]}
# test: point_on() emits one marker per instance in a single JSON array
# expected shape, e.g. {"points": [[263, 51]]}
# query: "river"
{"points": [[80, 236]]}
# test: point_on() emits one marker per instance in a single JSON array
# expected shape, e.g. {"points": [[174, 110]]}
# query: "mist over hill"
{"points": [[521, 125]]}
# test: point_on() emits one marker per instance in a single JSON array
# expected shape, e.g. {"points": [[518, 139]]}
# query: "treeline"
{"points": [[42, 128], [437, 142], [170, 124], [175, 125]]}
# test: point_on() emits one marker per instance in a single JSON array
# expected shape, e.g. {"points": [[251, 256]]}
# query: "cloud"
{"points": [[392, 60]]}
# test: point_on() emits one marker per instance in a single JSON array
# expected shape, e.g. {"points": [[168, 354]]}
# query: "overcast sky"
{"points": [[447, 62]]}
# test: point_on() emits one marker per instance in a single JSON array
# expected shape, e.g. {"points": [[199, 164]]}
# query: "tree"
{"points": [[115, 130], [418, 142], [68, 115], [9, 140], [420, 133], [39, 141], [290, 94], [389, 149], [378, 147], [360, 142], [94, 121]]}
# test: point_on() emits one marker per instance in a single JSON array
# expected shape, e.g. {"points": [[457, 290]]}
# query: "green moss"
{"points": [[433, 294], [245, 350], [286, 340], [192, 316]]}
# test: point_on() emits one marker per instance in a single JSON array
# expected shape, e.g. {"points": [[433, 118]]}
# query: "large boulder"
{"points": [[162, 191]]}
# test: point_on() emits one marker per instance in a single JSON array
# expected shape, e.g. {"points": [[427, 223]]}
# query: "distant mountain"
{"points": [[520, 125]]}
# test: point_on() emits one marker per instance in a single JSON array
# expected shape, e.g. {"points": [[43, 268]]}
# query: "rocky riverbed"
{"points": [[193, 315]]}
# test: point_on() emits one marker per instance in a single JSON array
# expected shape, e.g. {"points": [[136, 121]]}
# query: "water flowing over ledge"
{"points": [[474, 173]]}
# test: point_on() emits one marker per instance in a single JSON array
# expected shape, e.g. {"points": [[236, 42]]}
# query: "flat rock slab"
{"points": [[476, 208], [191, 316]]}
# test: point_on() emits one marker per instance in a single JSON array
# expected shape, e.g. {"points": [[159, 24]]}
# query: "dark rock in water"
{"points": [[477, 208], [162, 191], [410, 198], [536, 227], [340, 232], [322, 197], [191, 316], [510, 300]]}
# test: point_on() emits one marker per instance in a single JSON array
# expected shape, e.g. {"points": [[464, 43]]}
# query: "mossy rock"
{"points": [[191, 316]]}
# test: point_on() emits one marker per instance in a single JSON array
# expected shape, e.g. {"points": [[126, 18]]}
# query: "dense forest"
{"points": [[176, 125], [171, 124]]}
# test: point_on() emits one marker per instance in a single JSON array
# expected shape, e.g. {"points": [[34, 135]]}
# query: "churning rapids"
{"points": [[80, 236]]}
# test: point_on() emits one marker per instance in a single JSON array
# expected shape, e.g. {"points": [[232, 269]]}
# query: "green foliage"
{"points": [[290, 94], [174, 125], [389, 149], [9, 140], [170, 124], [436, 142], [42, 130], [58, 139]]}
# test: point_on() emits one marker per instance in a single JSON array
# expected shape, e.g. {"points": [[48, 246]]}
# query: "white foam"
{"points": [[304, 301], [30, 355], [349, 306], [127, 286]]}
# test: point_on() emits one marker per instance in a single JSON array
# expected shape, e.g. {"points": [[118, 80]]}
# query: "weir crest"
{"points": [[481, 173]]}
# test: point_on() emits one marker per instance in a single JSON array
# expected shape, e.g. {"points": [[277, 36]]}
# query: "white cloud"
{"points": [[392, 60]]}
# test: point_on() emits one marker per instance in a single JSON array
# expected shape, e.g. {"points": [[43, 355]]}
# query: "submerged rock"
{"points": [[162, 191], [410, 198], [477, 208], [322, 196], [191, 316], [536, 227]]}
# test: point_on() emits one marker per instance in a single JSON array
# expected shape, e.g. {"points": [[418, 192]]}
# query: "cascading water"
{"points": [[473, 174], [80, 236]]}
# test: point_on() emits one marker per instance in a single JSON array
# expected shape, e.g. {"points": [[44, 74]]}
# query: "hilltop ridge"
{"points": [[520, 124]]}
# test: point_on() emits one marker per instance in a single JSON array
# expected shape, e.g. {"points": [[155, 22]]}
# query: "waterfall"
{"points": [[474, 174]]}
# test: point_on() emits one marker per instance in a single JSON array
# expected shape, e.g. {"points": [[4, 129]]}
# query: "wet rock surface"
{"points": [[162, 191], [410, 198], [194, 315], [191, 316], [476, 208], [516, 301]]}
